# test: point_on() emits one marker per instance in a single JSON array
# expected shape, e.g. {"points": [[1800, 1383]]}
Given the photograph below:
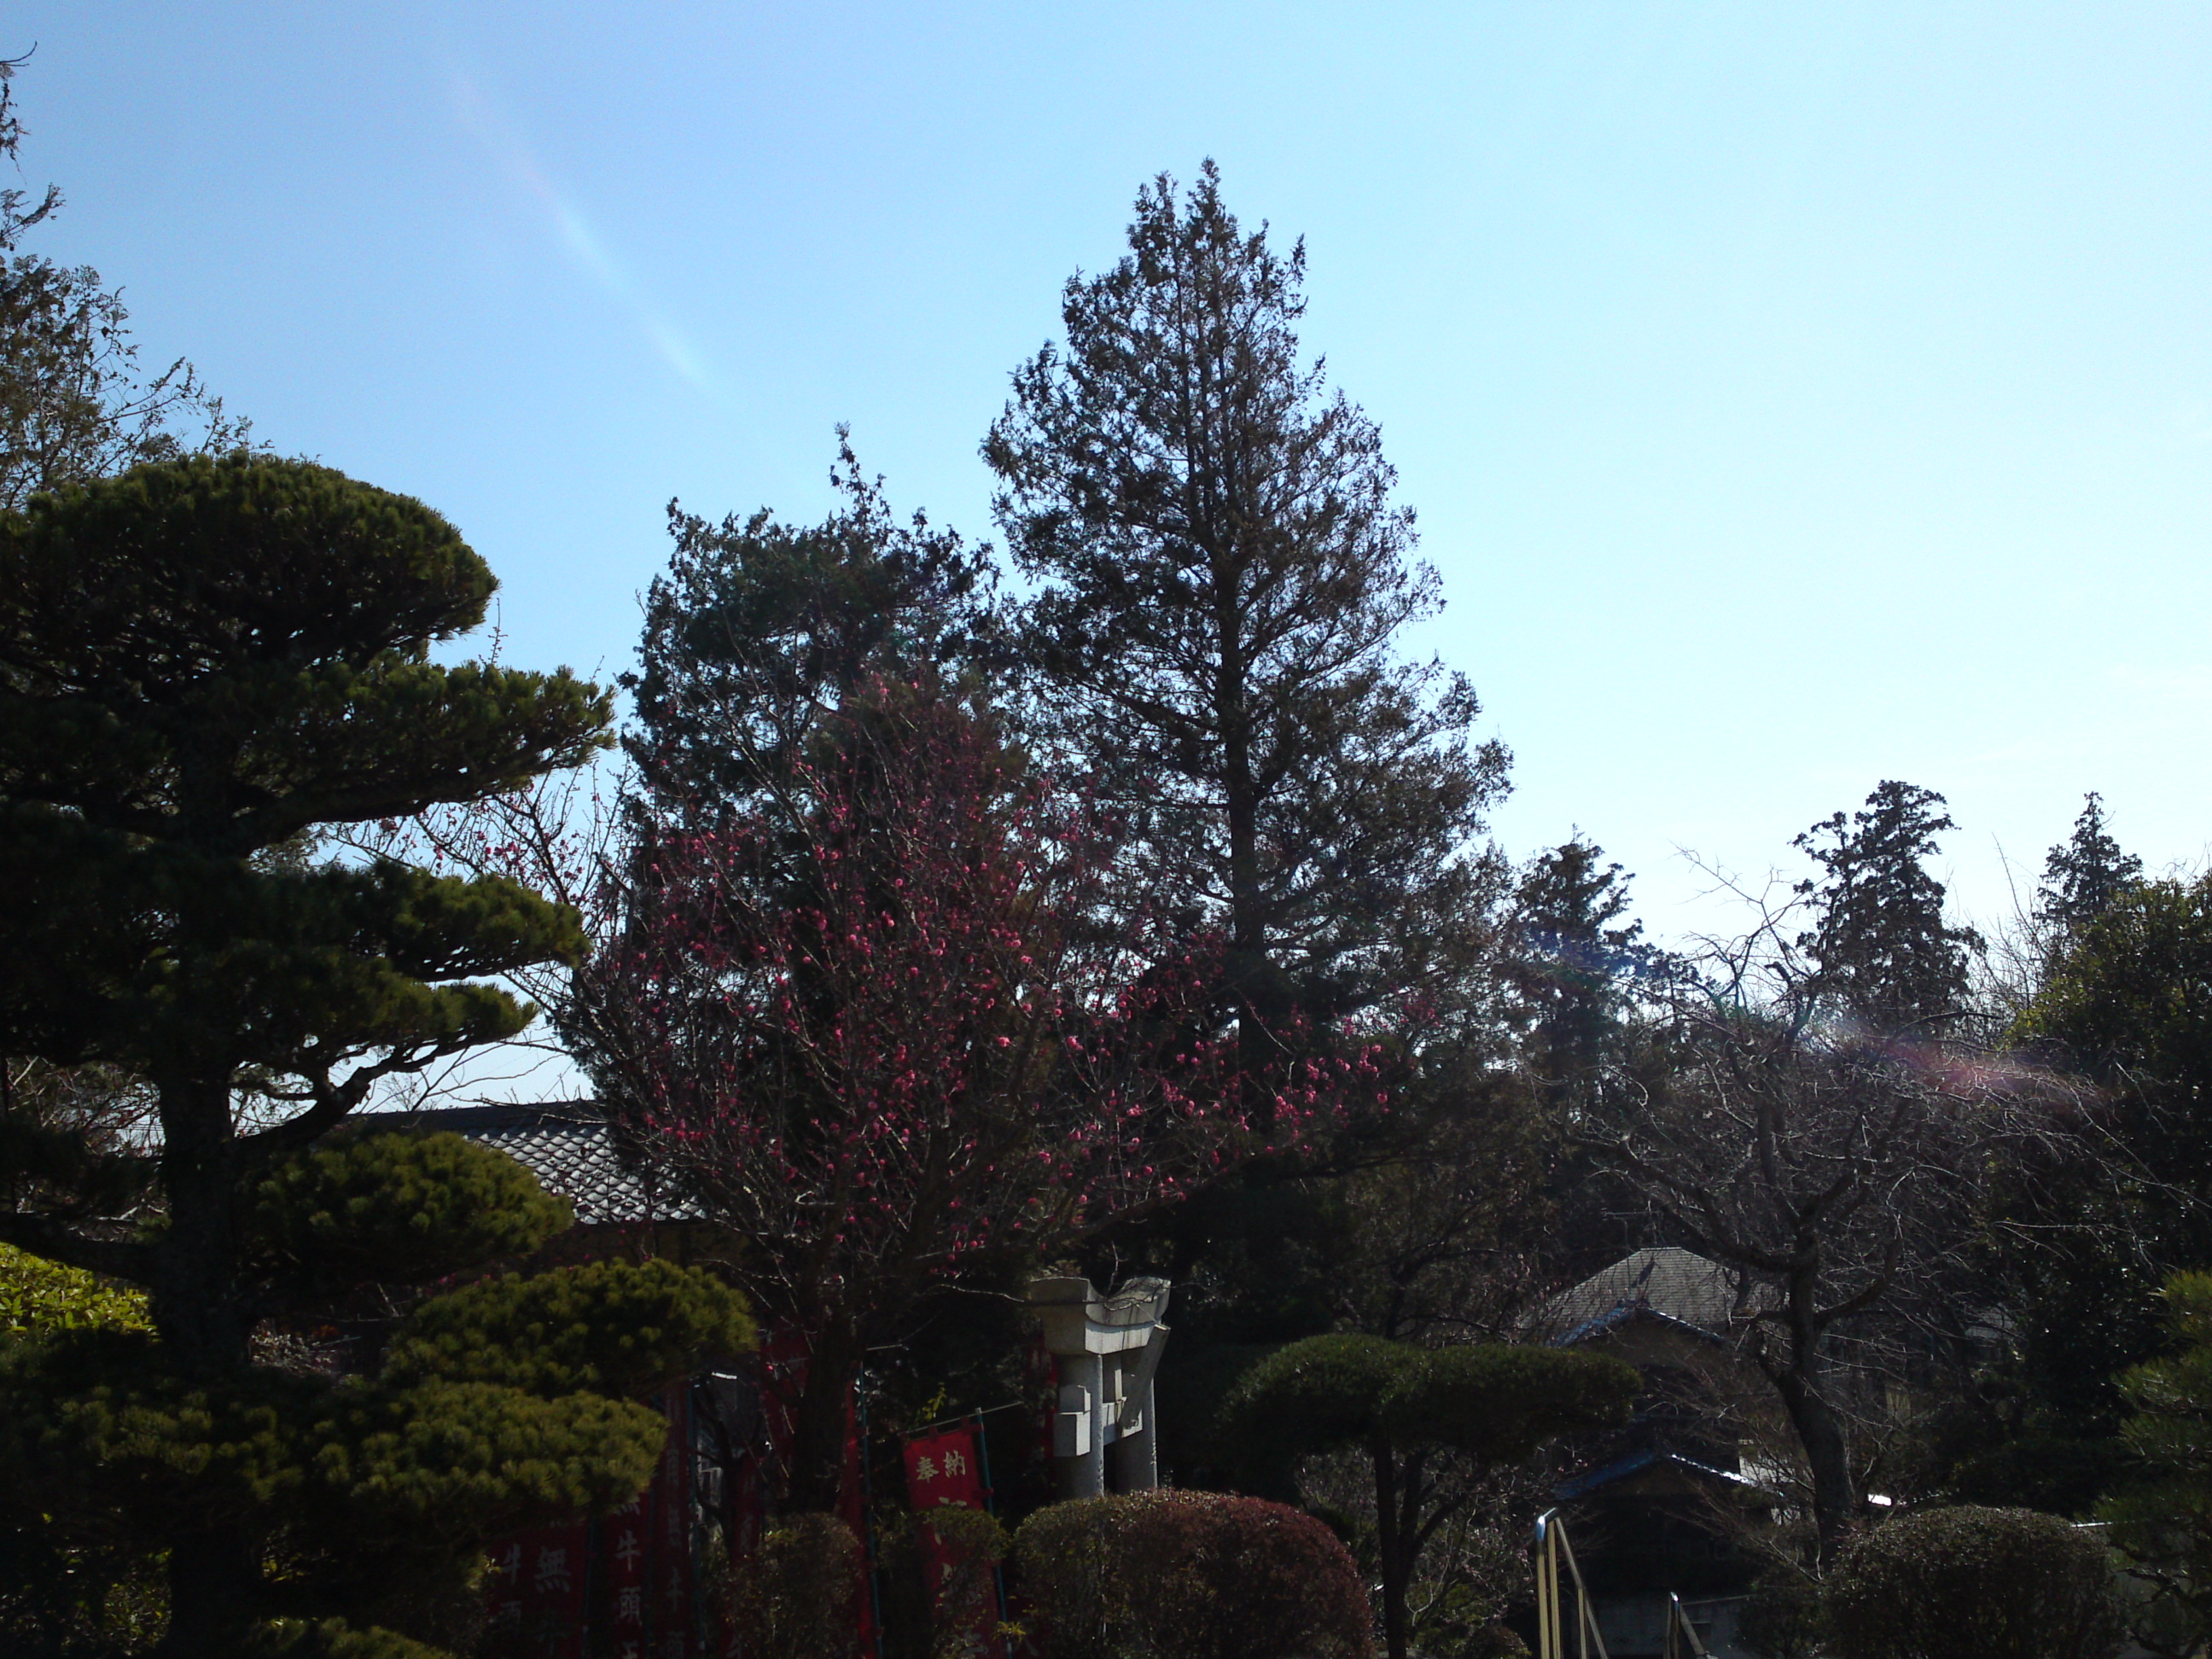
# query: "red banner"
{"points": [[942, 1468], [945, 1471], [537, 1594]]}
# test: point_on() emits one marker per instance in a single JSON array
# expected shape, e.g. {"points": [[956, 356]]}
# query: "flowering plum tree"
{"points": [[884, 1027]]}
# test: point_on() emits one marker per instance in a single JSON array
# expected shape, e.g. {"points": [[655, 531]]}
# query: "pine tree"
{"points": [[199, 660], [1409, 1411], [1880, 945], [359, 1503], [1222, 578]]}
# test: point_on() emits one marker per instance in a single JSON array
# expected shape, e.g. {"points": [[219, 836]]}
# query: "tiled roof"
{"points": [[1678, 1286], [573, 1151]]}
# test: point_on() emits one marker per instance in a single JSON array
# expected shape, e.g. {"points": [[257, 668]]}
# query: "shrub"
{"points": [[1783, 1618], [794, 1598], [1190, 1575], [973, 1543], [1975, 1583]]}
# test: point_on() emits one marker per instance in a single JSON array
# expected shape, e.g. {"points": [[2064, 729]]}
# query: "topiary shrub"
{"points": [[1783, 1618], [1974, 1584], [1190, 1575], [795, 1596]]}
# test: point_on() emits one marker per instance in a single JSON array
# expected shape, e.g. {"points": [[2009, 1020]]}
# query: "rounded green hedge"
{"points": [[1975, 1583]]}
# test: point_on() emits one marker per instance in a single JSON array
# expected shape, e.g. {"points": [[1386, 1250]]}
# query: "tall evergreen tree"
{"points": [[1880, 945], [199, 660], [1222, 580], [2083, 874], [1570, 961]]}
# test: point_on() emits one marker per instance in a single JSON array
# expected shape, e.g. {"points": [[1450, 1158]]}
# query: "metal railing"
{"points": [[1682, 1641], [1552, 1552]]}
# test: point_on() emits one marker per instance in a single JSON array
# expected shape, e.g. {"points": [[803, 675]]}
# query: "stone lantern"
{"points": [[1108, 1348]]}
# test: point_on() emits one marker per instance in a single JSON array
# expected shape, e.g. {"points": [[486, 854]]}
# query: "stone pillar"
{"points": [[1078, 1449], [1108, 1348]]}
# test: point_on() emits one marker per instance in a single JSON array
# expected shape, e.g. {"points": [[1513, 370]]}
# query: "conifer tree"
{"points": [[1880, 946], [360, 1506], [199, 660], [1223, 577], [2084, 874], [1574, 952]]}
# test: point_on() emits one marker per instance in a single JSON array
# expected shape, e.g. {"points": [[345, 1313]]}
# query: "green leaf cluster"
{"points": [[367, 1498], [1495, 1402], [38, 1296], [395, 1208], [1190, 1575]]}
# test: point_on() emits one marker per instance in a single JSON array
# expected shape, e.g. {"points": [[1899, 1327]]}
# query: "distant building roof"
{"points": [[572, 1149], [1671, 1285], [1638, 1462]]}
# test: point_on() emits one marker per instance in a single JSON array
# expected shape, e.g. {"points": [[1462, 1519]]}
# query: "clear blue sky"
{"points": [[1792, 396]]}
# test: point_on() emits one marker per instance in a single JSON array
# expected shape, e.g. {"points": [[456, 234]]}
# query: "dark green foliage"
{"points": [[1974, 1584], [404, 1208], [1222, 574], [1783, 1618], [796, 1593], [1190, 1575], [2085, 873], [200, 661], [609, 1328], [1881, 944], [1404, 1405], [1575, 954], [2162, 1518], [368, 1497], [333, 1639], [1222, 580], [1495, 1402], [2125, 1005], [759, 626]]}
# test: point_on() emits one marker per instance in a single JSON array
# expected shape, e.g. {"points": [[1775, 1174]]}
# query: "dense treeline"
{"points": [[1142, 920]]}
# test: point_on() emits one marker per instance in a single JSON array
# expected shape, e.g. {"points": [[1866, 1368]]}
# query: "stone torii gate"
{"points": [[1109, 1349]]}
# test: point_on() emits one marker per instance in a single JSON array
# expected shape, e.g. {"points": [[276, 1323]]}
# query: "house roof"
{"points": [[573, 1151], [1621, 1469], [1664, 1284]]}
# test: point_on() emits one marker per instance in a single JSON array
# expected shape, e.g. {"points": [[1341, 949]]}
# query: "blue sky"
{"points": [[1792, 396]]}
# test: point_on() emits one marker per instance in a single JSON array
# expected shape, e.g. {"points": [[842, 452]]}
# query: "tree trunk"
{"points": [[1389, 1550], [1827, 1453], [202, 1322], [1801, 1382], [819, 1426]]}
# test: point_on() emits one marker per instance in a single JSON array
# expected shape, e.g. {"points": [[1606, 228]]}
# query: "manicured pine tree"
{"points": [[1425, 1418], [199, 662]]}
